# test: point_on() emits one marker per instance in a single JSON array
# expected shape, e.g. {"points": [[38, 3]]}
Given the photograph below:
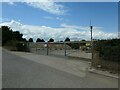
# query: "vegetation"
{"points": [[40, 40], [61, 41], [108, 49], [51, 40], [67, 39], [22, 46], [30, 40], [8, 35], [12, 39], [107, 55], [74, 45]]}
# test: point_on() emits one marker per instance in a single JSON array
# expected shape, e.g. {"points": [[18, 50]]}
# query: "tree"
{"points": [[67, 39], [9, 35], [42, 40], [30, 40], [51, 40], [24, 39], [83, 40], [13, 39], [38, 40], [17, 35], [6, 34]]}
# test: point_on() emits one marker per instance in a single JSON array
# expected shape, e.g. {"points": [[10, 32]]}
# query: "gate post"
{"points": [[36, 46], [28, 47], [47, 48], [65, 47]]}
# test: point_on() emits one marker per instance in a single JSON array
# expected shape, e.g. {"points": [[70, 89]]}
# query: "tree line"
{"points": [[15, 39], [50, 40], [9, 35]]}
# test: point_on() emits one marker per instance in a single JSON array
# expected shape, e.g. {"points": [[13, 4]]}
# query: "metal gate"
{"points": [[80, 49]]}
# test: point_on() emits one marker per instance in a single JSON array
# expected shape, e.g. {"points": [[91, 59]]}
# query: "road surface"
{"points": [[19, 72]]}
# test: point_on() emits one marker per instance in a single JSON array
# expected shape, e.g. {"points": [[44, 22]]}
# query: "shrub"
{"points": [[22, 46], [73, 45], [108, 49]]}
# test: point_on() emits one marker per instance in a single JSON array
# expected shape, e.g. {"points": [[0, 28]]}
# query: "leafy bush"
{"points": [[108, 49], [9, 35], [22, 46], [73, 45]]}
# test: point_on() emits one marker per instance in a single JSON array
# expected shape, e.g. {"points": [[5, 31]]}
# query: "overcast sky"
{"points": [[59, 20]]}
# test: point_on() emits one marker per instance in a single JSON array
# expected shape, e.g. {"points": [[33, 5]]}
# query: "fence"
{"points": [[71, 49]]}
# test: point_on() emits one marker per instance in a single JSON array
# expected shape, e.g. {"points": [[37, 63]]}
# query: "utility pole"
{"points": [[91, 28]]}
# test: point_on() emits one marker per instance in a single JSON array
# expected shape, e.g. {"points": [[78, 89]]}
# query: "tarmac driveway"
{"points": [[26, 70]]}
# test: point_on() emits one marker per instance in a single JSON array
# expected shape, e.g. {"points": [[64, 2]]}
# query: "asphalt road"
{"points": [[19, 72]]}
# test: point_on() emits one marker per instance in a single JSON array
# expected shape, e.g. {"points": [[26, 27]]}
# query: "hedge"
{"points": [[108, 49]]}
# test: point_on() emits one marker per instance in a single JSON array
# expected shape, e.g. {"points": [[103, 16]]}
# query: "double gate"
{"points": [[72, 49]]}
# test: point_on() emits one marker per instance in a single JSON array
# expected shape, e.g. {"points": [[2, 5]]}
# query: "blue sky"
{"points": [[104, 15]]}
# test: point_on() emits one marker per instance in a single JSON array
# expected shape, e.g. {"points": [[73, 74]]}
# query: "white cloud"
{"points": [[63, 0], [72, 31], [58, 18], [53, 18], [11, 3], [3, 19], [51, 7], [47, 5]]}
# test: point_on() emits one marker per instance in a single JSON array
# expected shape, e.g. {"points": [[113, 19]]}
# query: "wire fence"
{"points": [[71, 49]]}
